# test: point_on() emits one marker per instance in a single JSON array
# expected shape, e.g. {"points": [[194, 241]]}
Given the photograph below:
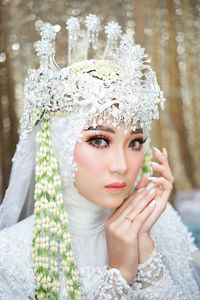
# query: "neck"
{"points": [[84, 216]]}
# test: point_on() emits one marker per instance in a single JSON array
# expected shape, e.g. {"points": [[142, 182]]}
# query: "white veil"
{"points": [[18, 201]]}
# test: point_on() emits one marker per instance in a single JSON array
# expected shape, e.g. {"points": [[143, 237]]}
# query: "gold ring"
{"points": [[129, 218]]}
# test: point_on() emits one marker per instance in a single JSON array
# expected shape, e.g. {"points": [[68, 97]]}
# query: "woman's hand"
{"points": [[163, 185], [122, 230]]}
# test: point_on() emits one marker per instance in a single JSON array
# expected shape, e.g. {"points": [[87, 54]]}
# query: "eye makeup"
{"points": [[99, 141], [102, 141], [137, 144]]}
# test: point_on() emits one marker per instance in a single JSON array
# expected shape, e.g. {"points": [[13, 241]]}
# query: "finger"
{"points": [[141, 205], [164, 172], [123, 223], [139, 220], [142, 183], [161, 157], [133, 209], [126, 228], [161, 181], [164, 188], [165, 152], [133, 200], [136, 197]]}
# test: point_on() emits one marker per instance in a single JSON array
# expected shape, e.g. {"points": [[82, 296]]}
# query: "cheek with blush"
{"points": [[90, 168], [85, 159], [138, 163], [135, 165]]}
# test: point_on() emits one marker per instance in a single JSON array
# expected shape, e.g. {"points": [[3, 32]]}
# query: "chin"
{"points": [[112, 202]]}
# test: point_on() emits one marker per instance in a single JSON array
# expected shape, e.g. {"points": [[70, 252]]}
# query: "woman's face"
{"points": [[108, 163]]}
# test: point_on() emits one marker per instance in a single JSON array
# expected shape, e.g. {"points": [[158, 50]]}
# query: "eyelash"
{"points": [[100, 137]]}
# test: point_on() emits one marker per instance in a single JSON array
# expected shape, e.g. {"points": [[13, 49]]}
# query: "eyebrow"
{"points": [[108, 129]]}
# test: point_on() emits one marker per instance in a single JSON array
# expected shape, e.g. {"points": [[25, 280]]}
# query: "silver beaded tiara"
{"points": [[123, 87]]}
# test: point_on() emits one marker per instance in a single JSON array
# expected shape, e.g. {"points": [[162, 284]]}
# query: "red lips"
{"points": [[116, 185]]}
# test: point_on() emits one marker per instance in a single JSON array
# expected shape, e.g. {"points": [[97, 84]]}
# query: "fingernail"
{"points": [[152, 203], [142, 189], [150, 186], [152, 191], [157, 150], [154, 163], [165, 151], [153, 178]]}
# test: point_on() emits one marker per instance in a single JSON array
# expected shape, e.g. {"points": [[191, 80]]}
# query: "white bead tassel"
{"points": [[46, 47], [92, 24], [127, 38], [73, 27], [52, 63], [113, 31], [51, 225]]}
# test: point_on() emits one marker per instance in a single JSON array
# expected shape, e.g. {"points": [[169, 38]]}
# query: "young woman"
{"points": [[92, 235]]}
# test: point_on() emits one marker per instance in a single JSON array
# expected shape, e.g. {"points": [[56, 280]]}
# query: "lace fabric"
{"points": [[150, 272], [171, 258], [16, 273]]}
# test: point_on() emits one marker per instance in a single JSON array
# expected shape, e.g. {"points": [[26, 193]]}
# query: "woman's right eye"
{"points": [[99, 142]]}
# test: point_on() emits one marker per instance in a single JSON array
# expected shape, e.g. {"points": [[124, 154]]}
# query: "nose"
{"points": [[118, 163]]}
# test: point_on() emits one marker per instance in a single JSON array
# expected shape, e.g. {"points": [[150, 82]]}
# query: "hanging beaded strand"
{"points": [[92, 24], [50, 232], [73, 28], [113, 32]]}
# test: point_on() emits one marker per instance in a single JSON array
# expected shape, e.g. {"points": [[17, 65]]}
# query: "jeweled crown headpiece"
{"points": [[124, 87]]}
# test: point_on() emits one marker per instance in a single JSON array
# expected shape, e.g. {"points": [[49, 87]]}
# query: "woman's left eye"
{"points": [[136, 144]]}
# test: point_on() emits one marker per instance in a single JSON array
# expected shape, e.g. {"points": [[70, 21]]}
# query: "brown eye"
{"points": [[99, 142], [136, 144]]}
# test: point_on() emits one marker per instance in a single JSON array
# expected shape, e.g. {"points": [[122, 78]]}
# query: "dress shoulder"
{"points": [[176, 244], [16, 274], [170, 232]]}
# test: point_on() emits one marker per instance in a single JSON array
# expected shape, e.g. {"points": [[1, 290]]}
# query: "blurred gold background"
{"points": [[168, 29]]}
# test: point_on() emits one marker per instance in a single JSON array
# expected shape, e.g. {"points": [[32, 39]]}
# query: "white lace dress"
{"points": [[171, 257]]}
